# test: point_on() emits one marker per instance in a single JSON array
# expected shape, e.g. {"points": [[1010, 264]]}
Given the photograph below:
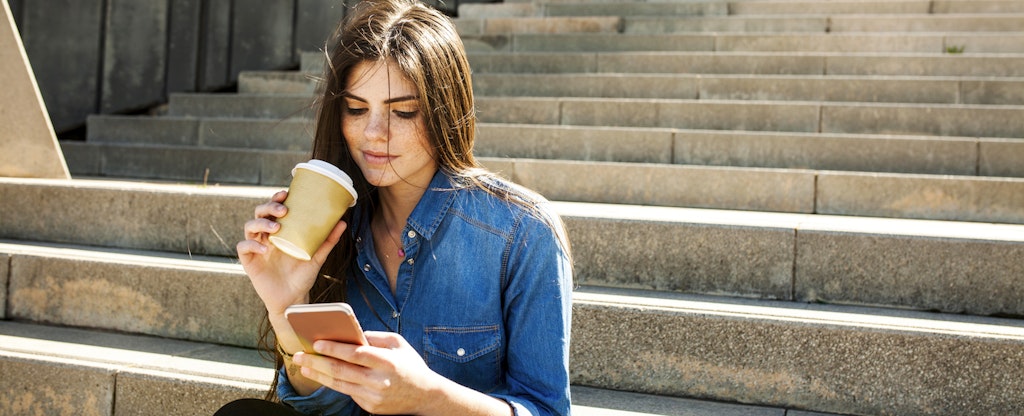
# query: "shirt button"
{"points": [[461, 352], [412, 234], [394, 314], [366, 267], [410, 261]]}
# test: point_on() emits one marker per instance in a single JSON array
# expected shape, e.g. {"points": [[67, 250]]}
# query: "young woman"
{"points": [[461, 280]]}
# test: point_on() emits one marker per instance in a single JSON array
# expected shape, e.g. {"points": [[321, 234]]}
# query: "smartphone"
{"points": [[329, 321]]}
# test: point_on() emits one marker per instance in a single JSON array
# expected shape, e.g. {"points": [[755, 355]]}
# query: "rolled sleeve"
{"points": [[323, 401]]}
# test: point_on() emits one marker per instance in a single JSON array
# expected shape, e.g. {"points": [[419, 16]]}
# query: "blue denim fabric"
{"points": [[484, 295]]}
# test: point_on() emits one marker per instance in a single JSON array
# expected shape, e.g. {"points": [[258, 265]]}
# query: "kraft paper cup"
{"points": [[318, 196]]}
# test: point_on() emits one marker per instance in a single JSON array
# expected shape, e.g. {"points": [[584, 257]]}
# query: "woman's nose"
{"points": [[377, 126]]}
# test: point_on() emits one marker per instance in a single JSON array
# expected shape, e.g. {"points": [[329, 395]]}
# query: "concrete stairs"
{"points": [[776, 207]]}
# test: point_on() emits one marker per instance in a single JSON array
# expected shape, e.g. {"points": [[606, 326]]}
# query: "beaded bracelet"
{"points": [[284, 353]]}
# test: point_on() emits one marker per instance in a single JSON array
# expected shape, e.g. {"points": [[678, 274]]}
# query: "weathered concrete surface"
{"points": [[781, 63], [180, 219], [156, 373], [183, 40], [956, 198], [670, 185], [636, 9], [233, 105], [262, 35], [214, 71], [838, 7], [574, 143], [276, 82], [178, 131], [73, 28], [681, 254], [118, 292], [494, 26], [866, 153], [924, 119], [651, 25], [979, 275], [318, 20], [5, 267], [1001, 157], [210, 167], [210, 375], [982, 6], [140, 392], [842, 360], [134, 72], [26, 135], [36, 385], [240, 134], [595, 402]]}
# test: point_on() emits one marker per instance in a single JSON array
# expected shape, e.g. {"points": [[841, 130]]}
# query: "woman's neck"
{"points": [[397, 202]]}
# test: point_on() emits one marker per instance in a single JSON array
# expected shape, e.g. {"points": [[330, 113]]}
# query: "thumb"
{"points": [[388, 340]]}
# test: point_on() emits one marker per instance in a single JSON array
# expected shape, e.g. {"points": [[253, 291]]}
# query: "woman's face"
{"points": [[385, 130]]}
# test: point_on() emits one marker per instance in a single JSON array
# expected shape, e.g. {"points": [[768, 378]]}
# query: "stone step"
{"points": [[850, 361], [780, 116], [820, 24], [508, 25], [54, 370], [753, 8], [271, 106], [819, 358], [248, 133], [967, 43], [877, 7], [835, 88], [746, 63], [690, 8], [954, 267], [993, 121], [90, 368], [846, 152], [946, 197], [626, 7]]}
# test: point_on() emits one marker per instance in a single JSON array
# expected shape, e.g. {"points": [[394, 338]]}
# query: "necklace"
{"points": [[387, 230]]}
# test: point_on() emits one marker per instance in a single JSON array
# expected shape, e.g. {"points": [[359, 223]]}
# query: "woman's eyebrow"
{"points": [[349, 95]]}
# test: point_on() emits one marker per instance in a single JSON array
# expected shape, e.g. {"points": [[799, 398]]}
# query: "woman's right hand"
{"points": [[279, 279]]}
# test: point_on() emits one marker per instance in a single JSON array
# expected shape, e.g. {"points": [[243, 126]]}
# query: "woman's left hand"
{"points": [[386, 377]]}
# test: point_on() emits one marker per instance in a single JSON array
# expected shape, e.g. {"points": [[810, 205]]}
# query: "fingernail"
{"points": [[318, 346]]}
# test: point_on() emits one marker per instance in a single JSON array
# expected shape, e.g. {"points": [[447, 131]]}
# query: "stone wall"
{"points": [[116, 56]]}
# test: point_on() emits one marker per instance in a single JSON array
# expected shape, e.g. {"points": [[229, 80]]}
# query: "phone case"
{"points": [[328, 321]]}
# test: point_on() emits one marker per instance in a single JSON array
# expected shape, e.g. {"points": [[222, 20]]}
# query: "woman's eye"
{"points": [[356, 111], [406, 114]]}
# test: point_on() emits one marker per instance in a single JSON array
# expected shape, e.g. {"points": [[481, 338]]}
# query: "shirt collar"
{"points": [[433, 205]]}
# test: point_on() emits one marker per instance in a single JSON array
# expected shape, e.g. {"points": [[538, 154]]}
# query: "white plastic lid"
{"points": [[332, 172]]}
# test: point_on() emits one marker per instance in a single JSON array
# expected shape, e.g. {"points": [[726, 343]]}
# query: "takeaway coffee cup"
{"points": [[318, 196]]}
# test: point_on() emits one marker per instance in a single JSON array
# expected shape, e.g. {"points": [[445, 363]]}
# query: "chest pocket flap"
{"points": [[461, 344]]}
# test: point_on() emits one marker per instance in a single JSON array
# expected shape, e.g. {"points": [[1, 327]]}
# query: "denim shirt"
{"points": [[483, 294]]}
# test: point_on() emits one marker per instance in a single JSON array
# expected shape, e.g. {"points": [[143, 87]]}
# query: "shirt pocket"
{"points": [[470, 356]]}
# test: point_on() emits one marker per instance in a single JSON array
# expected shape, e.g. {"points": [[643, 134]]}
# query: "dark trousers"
{"points": [[255, 407]]}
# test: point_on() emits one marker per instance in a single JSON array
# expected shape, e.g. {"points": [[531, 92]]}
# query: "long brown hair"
{"points": [[425, 46]]}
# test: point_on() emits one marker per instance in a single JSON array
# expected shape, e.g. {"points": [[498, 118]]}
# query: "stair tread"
{"points": [[625, 212], [218, 364]]}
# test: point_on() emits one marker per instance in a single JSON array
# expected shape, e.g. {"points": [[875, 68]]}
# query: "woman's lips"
{"points": [[375, 158]]}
